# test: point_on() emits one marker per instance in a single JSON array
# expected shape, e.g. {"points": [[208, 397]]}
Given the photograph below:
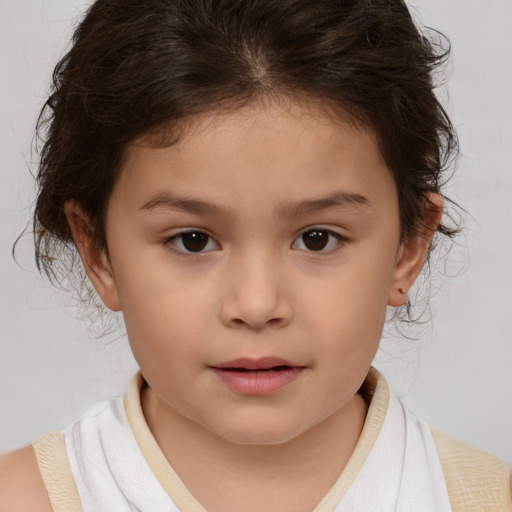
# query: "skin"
{"points": [[21, 485], [256, 290]]}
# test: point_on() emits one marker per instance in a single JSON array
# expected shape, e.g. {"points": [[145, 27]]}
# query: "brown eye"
{"points": [[317, 240], [194, 242]]}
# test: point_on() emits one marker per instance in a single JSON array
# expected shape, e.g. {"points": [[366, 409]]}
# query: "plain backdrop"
{"points": [[457, 376]]}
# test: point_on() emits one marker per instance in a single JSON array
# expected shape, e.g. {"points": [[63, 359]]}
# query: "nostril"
{"points": [[273, 322]]}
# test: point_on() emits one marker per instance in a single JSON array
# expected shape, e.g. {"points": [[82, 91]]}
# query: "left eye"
{"points": [[317, 240], [194, 242]]}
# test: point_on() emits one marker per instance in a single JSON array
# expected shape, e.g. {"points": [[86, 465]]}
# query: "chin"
{"points": [[257, 432]]}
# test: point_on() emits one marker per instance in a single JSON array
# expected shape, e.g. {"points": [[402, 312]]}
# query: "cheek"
{"points": [[352, 301], [164, 311], [167, 317], [165, 337], [349, 316]]}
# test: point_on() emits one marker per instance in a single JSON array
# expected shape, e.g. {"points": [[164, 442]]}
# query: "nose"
{"points": [[256, 294]]}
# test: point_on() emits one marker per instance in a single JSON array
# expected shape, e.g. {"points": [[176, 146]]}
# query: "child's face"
{"points": [[248, 284]]}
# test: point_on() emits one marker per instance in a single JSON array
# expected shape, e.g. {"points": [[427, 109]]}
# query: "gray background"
{"points": [[457, 376]]}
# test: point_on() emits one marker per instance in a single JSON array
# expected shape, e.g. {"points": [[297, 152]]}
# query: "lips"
{"points": [[262, 376], [262, 364]]}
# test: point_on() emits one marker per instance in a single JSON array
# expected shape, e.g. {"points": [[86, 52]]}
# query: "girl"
{"points": [[251, 183]]}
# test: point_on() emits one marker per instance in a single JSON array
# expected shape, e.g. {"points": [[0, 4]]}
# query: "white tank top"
{"points": [[400, 473]]}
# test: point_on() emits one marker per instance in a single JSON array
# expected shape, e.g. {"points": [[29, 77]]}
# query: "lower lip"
{"points": [[258, 383]]}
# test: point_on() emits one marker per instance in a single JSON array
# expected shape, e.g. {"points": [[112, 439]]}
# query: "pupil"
{"points": [[194, 241], [315, 240]]}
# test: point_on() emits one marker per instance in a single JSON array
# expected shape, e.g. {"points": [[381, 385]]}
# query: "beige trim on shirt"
{"points": [[53, 462], [156, 460], [476, 481], [376, 393]]}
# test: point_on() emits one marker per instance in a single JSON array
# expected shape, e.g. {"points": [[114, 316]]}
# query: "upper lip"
{"points": [[247, 363]]}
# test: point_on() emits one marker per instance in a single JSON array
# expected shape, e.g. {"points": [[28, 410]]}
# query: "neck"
{"points": [[298, 472]]}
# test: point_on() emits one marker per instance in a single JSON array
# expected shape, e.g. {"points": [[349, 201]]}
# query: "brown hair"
{"points": [[144, 66]]}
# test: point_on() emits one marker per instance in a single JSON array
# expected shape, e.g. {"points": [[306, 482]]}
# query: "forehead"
{"points": [[264, 154]]}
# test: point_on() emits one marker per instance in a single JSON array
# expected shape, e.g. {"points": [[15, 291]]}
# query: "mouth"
{"points": [[262, 376], [247, 370]]}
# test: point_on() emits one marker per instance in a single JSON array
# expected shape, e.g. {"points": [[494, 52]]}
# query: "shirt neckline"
{"points": [[375, 391]]}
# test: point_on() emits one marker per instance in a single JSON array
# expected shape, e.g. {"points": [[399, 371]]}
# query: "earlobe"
{"points": [[94, 258], [412, 253]]}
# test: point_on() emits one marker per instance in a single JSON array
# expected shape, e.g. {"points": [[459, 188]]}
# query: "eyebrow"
{"points": [[339, 199], [168, 201]]}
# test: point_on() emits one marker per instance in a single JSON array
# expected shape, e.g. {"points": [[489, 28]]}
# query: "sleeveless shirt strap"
{"points": [[476, 481], [56, 472]]}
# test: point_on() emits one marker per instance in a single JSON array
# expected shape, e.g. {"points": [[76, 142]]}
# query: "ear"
{"points": [[95, 259], [412, 253]]}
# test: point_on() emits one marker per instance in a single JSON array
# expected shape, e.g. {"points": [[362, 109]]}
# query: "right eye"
{"points": [[193, 242], [319, 240]]}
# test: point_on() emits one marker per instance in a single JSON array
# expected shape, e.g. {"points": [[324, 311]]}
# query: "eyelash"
{"points": [[172, 242], [339, 239], [178, 238]]}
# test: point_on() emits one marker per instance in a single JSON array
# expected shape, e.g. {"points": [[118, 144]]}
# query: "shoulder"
{"points": [[21, 484], [476, 480]]}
